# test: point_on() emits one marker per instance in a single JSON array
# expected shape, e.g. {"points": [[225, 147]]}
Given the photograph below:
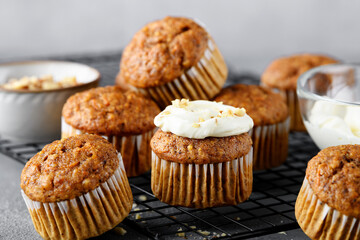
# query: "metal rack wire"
{"points": [[270, 208]]}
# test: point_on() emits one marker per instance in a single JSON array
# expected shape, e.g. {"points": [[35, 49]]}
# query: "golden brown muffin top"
{"points": [[110, 111], [334, 176], [162, 51], [174, 148], [68, 168], [263, 105], [283, 73]]}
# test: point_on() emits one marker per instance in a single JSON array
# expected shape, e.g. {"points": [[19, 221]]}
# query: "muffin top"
{"points": [[110, 111], [334, 176], [68, 168], [284, 72], [263, 105], [171, 147], [162, 51]]}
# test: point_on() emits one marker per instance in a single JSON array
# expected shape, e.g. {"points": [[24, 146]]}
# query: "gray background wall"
{"points": [[249, 32]]}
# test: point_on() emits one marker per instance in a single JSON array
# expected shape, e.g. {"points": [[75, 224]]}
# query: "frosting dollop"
{"points": [[200, 119]]}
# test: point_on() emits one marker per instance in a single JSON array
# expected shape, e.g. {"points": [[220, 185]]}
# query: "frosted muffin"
{"points": [[282, 75], [173, 58], [202, 155], [76, 188], [271, 121], [124, 118], [328, 205]]}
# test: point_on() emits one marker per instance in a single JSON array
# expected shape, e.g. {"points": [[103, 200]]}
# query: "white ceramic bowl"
{"points": [[329, 99], [35, 116]]}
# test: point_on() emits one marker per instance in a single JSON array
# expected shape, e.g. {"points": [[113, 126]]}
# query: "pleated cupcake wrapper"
{"points": [[202, 81], [135, 149], [270, 144], [86, 216], [320, 221], [202, 185]]}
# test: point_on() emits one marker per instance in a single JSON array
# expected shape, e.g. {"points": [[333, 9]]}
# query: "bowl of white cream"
{"points": [[329, 98]]}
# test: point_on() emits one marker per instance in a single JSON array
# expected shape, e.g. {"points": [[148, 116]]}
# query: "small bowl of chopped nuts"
{"points": [[33, 93]]}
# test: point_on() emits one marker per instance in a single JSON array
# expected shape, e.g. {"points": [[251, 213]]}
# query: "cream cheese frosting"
{"points": [[331, 124], [200, 119]]}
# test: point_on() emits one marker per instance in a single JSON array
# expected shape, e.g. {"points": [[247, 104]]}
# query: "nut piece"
{"points": [[196, 125], [240, 112], [45, 82], [119, 231], [180, 103]]}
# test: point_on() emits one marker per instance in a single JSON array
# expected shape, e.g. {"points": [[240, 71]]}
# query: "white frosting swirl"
{"points": [[201, 119]]}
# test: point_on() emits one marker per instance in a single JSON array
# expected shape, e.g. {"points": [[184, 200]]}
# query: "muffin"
{"points": [[76, 188], [124, 118], [282, 75], [202, 155], [271, 121], [173, 58], [328, 205]]}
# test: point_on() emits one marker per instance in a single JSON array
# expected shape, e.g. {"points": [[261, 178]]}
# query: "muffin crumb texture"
{"points": [[334, 176], [283, 73], [263, 105], [174, 148], [68, 168], [110, 111], [161, 51]]}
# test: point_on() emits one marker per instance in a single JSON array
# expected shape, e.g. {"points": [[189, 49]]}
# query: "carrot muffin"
{"points": [[282, 75], [202, 155], [76, 188], [173, 58], [328, 205], [271, 121], [124, 118]]}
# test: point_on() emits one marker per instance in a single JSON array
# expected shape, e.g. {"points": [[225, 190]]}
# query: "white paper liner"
{"points": [[202, 185], [320, 221], [86, 216], [135, 149], [270, 144], [202, 81]]}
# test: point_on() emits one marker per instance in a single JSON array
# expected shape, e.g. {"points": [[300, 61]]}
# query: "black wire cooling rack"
{"points": [[270, 208]]}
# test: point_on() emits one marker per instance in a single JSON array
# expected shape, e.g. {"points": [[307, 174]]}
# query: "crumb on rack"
{"points": [[142, 198], [120, 231], [206, 233], [137, 216]]}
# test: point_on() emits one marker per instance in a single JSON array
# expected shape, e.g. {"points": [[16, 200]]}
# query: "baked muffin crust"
{"points": [[174, 148], [334, 176], [263, 105], [68, 168], [110, 111], [283, 73], [161, 51]]}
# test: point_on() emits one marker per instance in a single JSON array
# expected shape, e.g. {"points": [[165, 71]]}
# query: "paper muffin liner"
{"points": [[202, 185], [135, 149], [320, 221], [270, 144], [202, 81], [88, 215]]}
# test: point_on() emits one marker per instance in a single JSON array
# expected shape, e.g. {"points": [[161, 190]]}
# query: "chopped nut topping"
{"points": [[240, 112], [201, 119], [196, 125], [180, 103], [46, 82], [166, 113]]}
